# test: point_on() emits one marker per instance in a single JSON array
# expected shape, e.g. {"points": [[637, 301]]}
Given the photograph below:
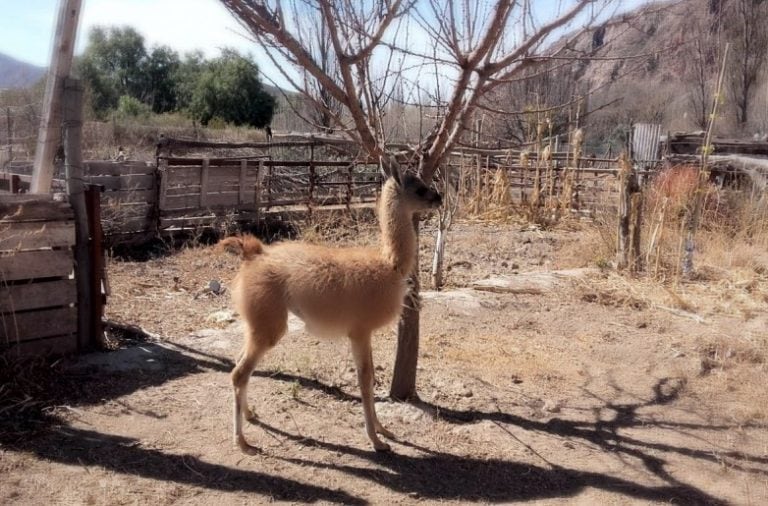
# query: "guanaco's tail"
{"points": [[246, 245]]}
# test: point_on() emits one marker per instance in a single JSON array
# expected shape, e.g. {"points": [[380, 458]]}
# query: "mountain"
{"points": [[673, 51], [18, 74], [657, 64]]}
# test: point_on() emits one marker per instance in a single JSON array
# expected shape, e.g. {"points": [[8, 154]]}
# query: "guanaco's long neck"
{"points": [[398, 239]]}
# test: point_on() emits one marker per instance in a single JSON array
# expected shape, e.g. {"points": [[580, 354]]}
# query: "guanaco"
{"points": [[335, 291]]}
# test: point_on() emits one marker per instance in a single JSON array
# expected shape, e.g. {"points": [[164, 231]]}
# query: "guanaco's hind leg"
{"points": [[257, 343], [361, 350]]}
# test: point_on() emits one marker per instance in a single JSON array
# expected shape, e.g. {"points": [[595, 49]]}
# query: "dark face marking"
{"points": [[427, 197]]}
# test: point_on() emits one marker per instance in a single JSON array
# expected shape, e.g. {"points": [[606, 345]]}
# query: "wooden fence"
{"points": [[195, 191], [38, 295], [176, 193], [592, 182]]}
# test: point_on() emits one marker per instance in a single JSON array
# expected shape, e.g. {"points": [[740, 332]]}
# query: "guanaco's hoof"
{"points": [[387, 434], [245, 447]]}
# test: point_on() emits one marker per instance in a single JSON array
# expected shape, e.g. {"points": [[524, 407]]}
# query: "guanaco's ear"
{"points": [[391, 170]]}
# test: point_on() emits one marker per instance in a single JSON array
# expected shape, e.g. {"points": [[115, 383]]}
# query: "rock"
{"points": [[533, 283], [404, 411], [551, 406], [215, 287], [223, 316], [463, 301], [462, 390]]}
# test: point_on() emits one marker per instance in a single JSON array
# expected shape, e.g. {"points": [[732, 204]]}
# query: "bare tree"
{"points": [[749, 42], [472, 46]]}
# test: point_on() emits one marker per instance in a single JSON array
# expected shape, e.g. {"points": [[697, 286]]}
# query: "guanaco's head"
{"points": [[412, 193]]}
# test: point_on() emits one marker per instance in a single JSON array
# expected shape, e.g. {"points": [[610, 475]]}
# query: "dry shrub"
{"points": [[724, 354], [340, 228], [486, 195], [732, 235], [614, 297], [676, 184]]}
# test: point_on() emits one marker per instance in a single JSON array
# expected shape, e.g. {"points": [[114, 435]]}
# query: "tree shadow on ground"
{"points": [[78, 447], [31, 422], [33, 389], [433, 475], [444, 476]]}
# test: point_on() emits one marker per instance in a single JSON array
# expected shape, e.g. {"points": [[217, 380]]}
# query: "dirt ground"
{"points": [[553, 383]]}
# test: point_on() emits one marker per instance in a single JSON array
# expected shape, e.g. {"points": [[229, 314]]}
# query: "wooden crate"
{"points": [[129, 199], [38, 297]]}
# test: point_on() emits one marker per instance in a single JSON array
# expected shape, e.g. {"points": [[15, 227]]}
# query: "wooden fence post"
{"points": [[72, 102], [15, 184], [628, 237], [257, 190], [241, 184], [61, 63], [312, 184], [204, 184], [348, 202], [9, 132]]}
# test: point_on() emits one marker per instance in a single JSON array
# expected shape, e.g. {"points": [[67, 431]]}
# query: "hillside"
{"points": [[674, 50], [657, 64], [18, 74]]}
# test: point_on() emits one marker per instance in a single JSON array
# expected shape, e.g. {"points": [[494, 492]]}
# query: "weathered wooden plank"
{"points": [[29, 325], [32, 210], [242, 181], [229, 173], [25, 198], [183, 176], [58, 345], [42, 295], [133, 182], [128, 225], [36, 264], [36, 234], [204, 184], [127, 217], [108, 168], [186, 221], [179, 191], [128, 197], [212, 200], [213, 162]]}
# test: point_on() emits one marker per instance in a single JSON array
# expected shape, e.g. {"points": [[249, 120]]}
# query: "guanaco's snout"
{"points": [[435, 199], [418, 195]]}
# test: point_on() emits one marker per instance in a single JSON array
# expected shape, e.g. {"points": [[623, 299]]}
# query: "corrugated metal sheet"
{"points": [[645, 144]]}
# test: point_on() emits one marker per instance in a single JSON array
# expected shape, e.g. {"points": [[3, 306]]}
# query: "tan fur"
{"points": [[335, 291]]}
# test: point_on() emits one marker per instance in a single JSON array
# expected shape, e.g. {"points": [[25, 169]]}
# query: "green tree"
{"points": [[129, 107], [185, 78], [160, 72], [229, 88], [112, 66]]}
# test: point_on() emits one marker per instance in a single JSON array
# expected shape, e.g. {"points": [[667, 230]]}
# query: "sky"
{"points": [[26, 26]]}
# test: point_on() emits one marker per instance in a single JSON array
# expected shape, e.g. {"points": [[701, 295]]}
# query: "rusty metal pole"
{"points": [[97, 274]]}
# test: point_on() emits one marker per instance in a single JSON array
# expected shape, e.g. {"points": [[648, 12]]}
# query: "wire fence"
{"points": [[19, 123]]}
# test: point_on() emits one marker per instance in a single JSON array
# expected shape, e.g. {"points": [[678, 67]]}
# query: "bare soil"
{"points": [[559, 385]]}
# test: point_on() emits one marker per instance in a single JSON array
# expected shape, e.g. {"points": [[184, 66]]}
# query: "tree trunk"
{"points": [[404, 377], [625, 210], [437, 259]]}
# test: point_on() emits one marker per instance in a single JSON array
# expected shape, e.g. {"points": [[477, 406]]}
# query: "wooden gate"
{"points": [[38, 295]]}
